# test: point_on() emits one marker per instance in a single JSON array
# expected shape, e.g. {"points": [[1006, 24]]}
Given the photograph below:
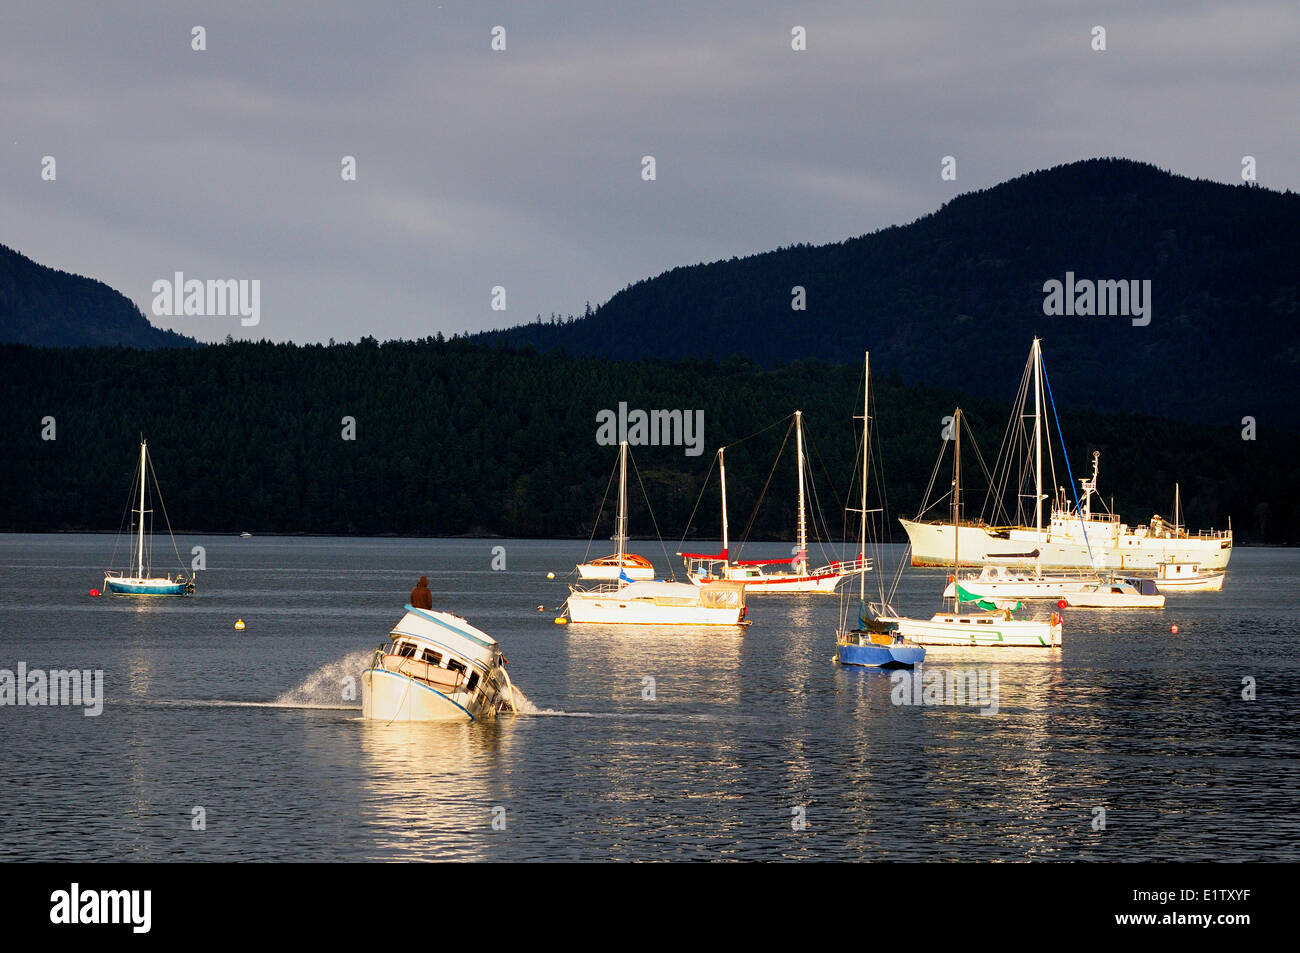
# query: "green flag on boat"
{"points": [[966, 596]]}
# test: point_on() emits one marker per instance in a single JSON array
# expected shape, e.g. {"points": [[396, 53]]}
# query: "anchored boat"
{"points": [[434, 667], [995, 628], [651, 602], [1118, 592], [1074, 537], [875, 642], [772, 575], [1187, 577], [139, 578]]}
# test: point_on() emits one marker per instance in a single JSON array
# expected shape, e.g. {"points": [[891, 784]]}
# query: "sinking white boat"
{"points": [[436, 667], [1119, 592], [1187, 577], [660, 603], [773, 575]]}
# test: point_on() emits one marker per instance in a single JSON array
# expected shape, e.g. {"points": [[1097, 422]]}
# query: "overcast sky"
{"points": [[523, 168]]}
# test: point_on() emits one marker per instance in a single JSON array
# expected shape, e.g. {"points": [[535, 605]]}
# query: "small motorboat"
{"points": [[436, 667], [1187, 577], [1118, 592]]}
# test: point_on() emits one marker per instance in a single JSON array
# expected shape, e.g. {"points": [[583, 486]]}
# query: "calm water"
{"points": [[744, 727]]}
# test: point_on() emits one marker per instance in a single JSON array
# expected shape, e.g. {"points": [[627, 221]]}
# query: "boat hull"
{"points": [[880, 656], [989, 630], [611, 573], [1208, 584], [758, 585], [610, 610], [145, 587], [390, 696], [1112, 600], [933, 545]]}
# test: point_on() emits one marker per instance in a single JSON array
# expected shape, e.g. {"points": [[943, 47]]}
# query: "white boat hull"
{"points": [[1102, 598], [611, 573], [659, 603], [992, 630], [389, 696], [1212, 583], [611, 611], [933, 545]]}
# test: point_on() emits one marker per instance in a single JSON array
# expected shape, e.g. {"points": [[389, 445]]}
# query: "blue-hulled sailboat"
{"points": [[875, 641], [139, 578]]}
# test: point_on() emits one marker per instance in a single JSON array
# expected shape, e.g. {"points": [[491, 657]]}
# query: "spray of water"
{"points": [[329, 685]]}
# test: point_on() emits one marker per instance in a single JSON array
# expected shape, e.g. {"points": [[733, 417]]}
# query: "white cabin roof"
{"points": [[450, 631]]}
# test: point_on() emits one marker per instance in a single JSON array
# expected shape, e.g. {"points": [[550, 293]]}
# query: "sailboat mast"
{"points": [[139, 559], [1037, 358], [1176, 502], [722, 476], [956, 507], [802, 540], [620, 524], [866, 456]]}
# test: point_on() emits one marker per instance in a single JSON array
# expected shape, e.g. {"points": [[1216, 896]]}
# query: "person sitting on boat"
{"points": [[421, 597]]}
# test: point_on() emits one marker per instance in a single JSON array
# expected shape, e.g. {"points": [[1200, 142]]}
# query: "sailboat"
{"points": [[1075, 537], [703, 568], [873, 642], [140, 580], [995, 627], [652, 602]]}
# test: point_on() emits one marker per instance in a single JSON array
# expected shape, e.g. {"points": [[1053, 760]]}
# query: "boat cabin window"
{"points": [[406, 650], [432, 657], [473, 680], [454, 666]]}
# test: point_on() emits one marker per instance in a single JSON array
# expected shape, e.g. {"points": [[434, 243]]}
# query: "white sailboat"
{"points": [[622, 564], [139, 579], [1074, 537], [758, 575], [997, 628], [637, 602]]}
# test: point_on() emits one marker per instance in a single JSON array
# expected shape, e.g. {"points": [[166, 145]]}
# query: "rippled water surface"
{"points": [[748, 737]]}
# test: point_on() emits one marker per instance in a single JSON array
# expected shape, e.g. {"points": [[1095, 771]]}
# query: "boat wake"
{"points": [[334, 685]]}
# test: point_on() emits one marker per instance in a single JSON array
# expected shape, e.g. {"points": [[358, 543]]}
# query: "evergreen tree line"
{"points": [[454, 437]]}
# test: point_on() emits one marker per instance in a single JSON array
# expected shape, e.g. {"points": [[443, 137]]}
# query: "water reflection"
{"points": [[430, 787]]}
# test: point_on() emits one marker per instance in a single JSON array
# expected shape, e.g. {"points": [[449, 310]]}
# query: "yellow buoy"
{"points": [[561, 620], [239, 625], [550, 575]]}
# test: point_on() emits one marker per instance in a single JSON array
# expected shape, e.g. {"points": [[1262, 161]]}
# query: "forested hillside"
{"points": [[458, 438], [50, 308]]}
